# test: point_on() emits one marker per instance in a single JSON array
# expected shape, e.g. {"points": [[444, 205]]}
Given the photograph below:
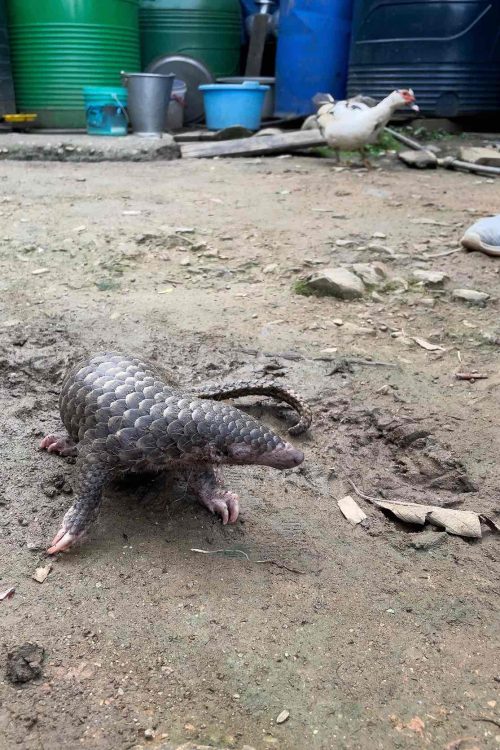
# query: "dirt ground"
{"points": [[372, 637]]}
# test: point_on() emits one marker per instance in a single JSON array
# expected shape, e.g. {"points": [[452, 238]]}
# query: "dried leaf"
{"points": [[7, 594], [351, 510], [427, 345], [460, 522], [416, 725], [41, 574]]}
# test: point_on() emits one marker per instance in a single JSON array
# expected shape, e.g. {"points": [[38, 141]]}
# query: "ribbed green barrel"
{"points": [[208, 30], [60, 46]]}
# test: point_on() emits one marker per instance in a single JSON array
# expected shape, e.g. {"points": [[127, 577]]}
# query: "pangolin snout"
{"points": [[283, 456]]}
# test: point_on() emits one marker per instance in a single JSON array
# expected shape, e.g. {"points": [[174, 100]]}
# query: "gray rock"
{"points": [[427, 540], [336, 282], [436, 279], [470, 295], [370, 274], [419, 159], [479, 155]]}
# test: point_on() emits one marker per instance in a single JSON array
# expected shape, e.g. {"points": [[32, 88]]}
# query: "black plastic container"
{"points": [[7, 105], [447, 51]]}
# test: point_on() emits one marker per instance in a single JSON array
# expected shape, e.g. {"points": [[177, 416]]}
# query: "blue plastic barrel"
{"points": [[448, 52], [105, 110], [312, 53]]}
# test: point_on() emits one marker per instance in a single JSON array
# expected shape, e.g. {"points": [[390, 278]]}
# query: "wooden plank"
{"points": [[254, 146], [194, 136]]}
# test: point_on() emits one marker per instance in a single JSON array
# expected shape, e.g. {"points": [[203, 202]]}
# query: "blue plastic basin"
{"points": [[227, 105], [105, 109]]}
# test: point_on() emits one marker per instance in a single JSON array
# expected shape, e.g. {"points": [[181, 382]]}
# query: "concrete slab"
{"points": [[85, 148]]}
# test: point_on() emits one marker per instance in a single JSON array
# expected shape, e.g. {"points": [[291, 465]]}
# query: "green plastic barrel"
{"points": [[208, 30], [60, 46]]}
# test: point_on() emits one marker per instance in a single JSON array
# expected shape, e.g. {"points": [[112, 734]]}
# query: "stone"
{"points": [[418, 159], [271, 268], [282, 717], [470, 295], [436, 279], [24, 663], [356, 330], [426, 540], [371, 274], [479, 155], [336, 282]]}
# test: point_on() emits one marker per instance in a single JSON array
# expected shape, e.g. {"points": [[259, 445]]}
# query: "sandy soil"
{"points": [[378, 636]]}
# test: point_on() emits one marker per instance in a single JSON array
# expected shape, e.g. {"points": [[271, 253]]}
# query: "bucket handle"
{"points": [[120, 105]]}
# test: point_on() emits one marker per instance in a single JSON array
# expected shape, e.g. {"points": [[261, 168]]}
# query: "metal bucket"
{"points": [[148, 99]]}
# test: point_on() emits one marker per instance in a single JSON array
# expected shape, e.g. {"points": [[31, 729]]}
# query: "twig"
{"points": [[441, 255], [486, 718], [240, 551], [361, 494], [472, 376], [356, 361], [220, 551], [281, 565], [370, 362]]}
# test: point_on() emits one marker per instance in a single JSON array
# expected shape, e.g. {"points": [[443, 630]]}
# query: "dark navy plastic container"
{"points": [[312, 53], [447, 51], [7, 104]]}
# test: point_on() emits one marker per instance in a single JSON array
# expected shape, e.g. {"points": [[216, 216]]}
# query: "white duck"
{"points": [[352, 124]]}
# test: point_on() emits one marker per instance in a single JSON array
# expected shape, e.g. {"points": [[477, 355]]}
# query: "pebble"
{"points": [[424, 541], [149, 734], [271, 268], [379, 236], [336, 282], [282, 717], [356, 330], [418, 159], [430, 278], [371, 274], [338, 321], [41, 574], [470, 295]]}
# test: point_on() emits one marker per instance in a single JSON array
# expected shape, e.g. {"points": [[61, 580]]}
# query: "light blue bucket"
{"points": [[106, 110], [227, 105]]}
